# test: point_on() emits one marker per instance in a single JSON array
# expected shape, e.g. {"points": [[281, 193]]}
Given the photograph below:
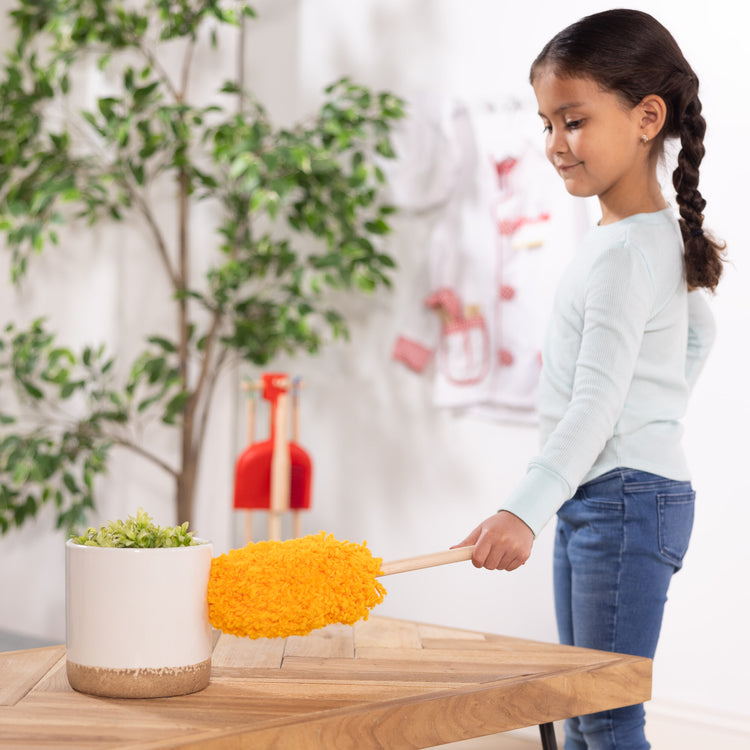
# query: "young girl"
{"points": [[627, 339]]}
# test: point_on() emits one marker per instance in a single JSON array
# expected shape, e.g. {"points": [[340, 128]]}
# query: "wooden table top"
{"points": [[383, 683]]}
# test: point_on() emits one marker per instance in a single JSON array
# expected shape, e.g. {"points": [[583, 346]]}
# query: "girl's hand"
{"points": [[502, 542]]}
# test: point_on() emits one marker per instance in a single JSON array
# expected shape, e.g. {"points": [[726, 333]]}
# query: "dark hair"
{"points": [[631, 54]]}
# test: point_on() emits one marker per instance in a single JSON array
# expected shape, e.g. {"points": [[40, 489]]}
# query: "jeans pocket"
{"points": [[676, 512]]}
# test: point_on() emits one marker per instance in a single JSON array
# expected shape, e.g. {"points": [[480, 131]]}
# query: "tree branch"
{"points": [[153, 61], [161, 244], [143, 453], [187, 62], [210, 387]]}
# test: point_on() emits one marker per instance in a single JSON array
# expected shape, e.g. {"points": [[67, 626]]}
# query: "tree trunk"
{"points": [[185, 495], [188, 455], [187, 476]]}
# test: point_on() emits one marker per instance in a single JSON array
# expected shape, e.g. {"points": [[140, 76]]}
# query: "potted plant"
{"points": [[136, 610], [297, 213]]}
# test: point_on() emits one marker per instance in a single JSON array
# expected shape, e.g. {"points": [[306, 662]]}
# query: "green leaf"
{"points": [[70, 483], [69, 388], [162, 343], [377, 227], [32, 390], [175, 407]]}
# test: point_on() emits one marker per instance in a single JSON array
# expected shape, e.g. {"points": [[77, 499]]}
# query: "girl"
{"points": [[626, 342]]}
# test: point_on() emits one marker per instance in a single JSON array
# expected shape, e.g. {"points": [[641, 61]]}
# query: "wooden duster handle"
{"points": [[250, 395], [426, 561], [280, 470]]}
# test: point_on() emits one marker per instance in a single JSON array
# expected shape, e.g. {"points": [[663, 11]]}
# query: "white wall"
{"points": [[392, 469]]}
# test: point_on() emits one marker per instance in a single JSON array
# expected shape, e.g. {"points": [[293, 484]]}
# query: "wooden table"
{"points": [[381, 684]]}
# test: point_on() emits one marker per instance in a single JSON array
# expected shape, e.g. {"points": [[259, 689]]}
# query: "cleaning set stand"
{"points": [[275, 474]]}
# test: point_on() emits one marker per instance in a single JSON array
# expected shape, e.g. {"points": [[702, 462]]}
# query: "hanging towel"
{"points": [[501, 229]]}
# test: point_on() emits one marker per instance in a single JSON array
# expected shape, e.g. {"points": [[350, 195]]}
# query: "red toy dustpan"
{"points": [[273, 474]]}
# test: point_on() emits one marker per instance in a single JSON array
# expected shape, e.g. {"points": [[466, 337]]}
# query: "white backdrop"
{"points": [[389, 467]]}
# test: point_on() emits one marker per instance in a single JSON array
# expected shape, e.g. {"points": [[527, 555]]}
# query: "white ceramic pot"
{"points": [[137, 620]]}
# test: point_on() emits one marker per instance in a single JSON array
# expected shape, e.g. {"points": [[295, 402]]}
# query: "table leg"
{"points": [[549, 742]]}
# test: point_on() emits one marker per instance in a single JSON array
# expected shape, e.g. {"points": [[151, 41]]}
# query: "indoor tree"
{"points": [[299, 217]]}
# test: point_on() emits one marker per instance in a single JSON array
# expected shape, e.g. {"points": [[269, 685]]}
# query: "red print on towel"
{"points": [[464, 339]]}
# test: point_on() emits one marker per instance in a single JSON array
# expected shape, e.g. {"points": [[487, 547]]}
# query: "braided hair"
{"points": [[629, 53]]}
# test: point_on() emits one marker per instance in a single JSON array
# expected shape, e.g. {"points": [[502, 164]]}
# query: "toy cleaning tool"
{"points": [[252, 481], [250, 402], [276, 589], [273, 474], [301, 479], [280, 463]]}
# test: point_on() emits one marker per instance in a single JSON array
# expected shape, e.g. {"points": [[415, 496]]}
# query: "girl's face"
{"points": [[594, 141]]}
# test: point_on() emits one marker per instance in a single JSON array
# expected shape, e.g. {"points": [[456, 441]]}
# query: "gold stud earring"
{"points": [[644, 138]]}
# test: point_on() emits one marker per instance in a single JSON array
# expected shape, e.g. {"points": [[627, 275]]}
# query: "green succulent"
{"points": [[137, 531]]}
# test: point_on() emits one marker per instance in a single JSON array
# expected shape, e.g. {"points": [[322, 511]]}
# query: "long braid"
{"points": [[703, 255]]}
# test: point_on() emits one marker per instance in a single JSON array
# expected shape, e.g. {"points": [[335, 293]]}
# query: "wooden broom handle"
{"points": [[426, 561]]}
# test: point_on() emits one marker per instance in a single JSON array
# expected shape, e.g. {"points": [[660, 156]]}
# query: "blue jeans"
{"points": [[619, 540]]}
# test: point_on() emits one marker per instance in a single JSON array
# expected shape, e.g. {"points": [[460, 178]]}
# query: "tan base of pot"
{"points": [[139, 683]]}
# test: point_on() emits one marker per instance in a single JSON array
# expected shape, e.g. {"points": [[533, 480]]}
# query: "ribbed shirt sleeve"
{"points": [[701, 335], [617, 299]]}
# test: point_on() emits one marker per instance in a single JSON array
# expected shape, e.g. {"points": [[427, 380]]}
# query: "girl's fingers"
{"points": [[482, 548], [470, 540]]}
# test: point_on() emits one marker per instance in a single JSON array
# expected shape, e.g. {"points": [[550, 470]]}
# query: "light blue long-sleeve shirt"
{"points": [[624, 347]]}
